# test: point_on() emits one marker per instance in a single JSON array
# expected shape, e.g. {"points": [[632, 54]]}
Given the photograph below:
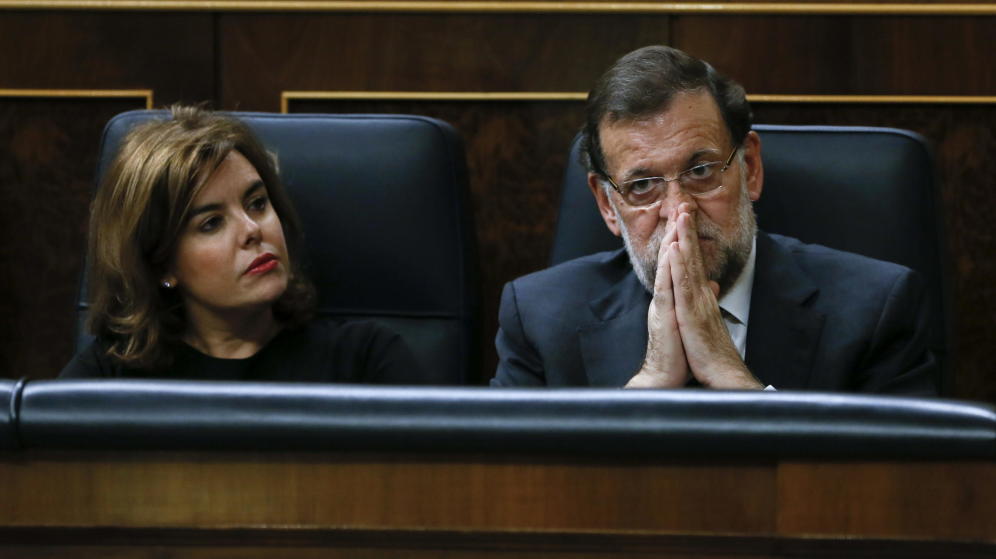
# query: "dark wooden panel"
{"points": [[48, 155], [262, 55], [48, 151], [846, 55], [170, 53], [964, 138]]}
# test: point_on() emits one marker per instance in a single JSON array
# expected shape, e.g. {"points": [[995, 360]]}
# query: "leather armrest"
{"points": [[115, 414]]}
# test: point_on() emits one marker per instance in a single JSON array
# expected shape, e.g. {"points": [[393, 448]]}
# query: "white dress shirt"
{"points": [[736, 303]]}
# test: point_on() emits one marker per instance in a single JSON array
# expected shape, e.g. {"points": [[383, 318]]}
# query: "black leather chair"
{"points": [[383, 201], [187, 415], [10, 392], [872, 191]]}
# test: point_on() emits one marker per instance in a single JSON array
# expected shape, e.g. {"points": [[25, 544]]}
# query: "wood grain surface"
{"points": [[220, 505]]}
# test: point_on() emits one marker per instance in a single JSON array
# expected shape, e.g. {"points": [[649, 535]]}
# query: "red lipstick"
{"points": [[262, 264]]}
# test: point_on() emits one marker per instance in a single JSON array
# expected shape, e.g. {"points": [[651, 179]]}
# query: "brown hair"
{"points": [[136, 219], [643, 82]]}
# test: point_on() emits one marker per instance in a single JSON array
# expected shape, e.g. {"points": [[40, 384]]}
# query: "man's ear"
{"points": [[604, 205], [755, 168]]}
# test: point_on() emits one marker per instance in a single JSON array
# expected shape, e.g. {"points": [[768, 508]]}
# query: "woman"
{"points": [[194, 254]]}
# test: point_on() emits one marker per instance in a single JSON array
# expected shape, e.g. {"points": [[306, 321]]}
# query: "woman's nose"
{"points": [[251, 230]]}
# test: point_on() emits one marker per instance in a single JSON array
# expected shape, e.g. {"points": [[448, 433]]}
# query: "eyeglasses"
{"points": [[701, 181]]}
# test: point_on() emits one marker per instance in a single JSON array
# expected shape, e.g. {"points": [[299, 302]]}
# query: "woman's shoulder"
{"points": [[93, 362]]}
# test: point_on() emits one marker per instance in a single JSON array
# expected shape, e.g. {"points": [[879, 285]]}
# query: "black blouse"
{"points": [[319, 351]]}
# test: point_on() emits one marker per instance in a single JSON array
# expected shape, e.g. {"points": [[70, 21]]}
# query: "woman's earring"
{"points": [[167, 284]]}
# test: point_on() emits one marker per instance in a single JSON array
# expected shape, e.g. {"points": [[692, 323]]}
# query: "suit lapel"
{"points": [[614, 343], [783, 332]]}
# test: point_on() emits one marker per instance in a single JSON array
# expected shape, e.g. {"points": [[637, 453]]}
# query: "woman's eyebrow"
{"points": [[256, 185], [204, 209]]}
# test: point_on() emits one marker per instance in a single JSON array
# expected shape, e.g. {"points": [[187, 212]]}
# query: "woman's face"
{"points": [[231, 256]]}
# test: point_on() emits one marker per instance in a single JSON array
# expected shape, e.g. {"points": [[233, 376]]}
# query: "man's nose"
{"points": [[673, 196]]}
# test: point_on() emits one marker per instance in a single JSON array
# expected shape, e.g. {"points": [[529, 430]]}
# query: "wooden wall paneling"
{"points": [[516, 155], [846, 55], [964, 136], [171, 53], [48, 151], [48, 154], [262, 55]]}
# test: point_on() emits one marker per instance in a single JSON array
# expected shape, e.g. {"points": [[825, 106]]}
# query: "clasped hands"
{"points": [[686, 333]]}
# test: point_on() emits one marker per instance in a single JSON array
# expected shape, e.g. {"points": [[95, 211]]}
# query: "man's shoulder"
{"points": [[594, 271], [835, 269]]}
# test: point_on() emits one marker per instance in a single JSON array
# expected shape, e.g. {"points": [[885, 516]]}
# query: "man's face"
{"points": [[688, 132]]}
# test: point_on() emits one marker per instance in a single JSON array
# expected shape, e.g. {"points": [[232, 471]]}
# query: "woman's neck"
{"points": [[231, 337]]}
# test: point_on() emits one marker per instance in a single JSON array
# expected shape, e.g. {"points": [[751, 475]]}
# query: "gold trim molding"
{"points": [[286, 97], [877, 99], [512, 6], [82, 93]]}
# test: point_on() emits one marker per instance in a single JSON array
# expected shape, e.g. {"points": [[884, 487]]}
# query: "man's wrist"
{"points": [[731, 377], [648, 377]]}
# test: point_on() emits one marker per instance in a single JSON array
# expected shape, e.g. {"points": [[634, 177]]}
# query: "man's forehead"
{"points": [[688, 128], [695, 108]]}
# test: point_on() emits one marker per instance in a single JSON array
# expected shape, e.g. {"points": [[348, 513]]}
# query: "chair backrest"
{"points": [[388, 235], [866, 190]]}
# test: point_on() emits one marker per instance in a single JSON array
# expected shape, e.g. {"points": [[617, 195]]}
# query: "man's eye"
{"points": [[642, 186], [700, 172]]}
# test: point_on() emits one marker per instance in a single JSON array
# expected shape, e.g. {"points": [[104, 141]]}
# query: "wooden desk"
{"points": [[212, 505]]}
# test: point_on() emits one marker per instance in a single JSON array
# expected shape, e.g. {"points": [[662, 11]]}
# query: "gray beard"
{"points": [[732, 251]]}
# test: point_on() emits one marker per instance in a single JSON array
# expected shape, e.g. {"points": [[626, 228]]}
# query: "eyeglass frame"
{"points": [[669, 180]]}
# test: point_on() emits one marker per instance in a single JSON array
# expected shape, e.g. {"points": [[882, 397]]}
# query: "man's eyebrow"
{"points": [[639, 172], [693, 158], [698, 154]]}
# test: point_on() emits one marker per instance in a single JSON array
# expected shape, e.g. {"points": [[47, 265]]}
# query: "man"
{"points": [[699, 296]]}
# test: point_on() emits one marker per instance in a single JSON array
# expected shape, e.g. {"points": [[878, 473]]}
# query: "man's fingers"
{"points": [[715, 288], [680, 279], [670, 236], [662, 281], [688, 240]]}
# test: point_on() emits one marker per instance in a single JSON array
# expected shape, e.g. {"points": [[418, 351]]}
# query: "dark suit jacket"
{"points": [[820, 319]]}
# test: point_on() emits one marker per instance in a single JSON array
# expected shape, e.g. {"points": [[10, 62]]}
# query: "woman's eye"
{"points": [[258, 203], [210, 224]]}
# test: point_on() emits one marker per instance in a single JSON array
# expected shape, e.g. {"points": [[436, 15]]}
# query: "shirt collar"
{"points": [[736, 300]]}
